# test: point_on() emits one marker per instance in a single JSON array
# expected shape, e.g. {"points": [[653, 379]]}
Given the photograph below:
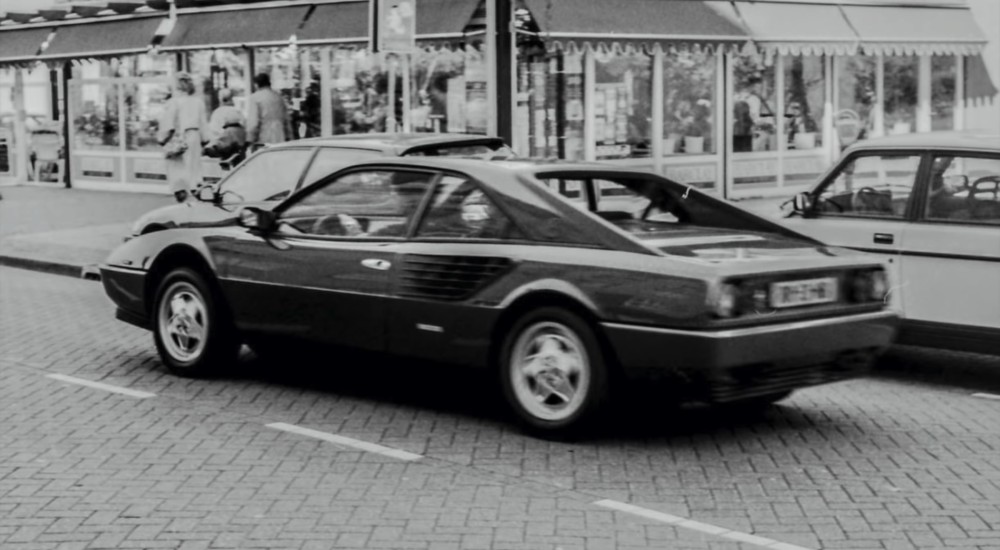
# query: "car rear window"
{"points": [[488, 150]]}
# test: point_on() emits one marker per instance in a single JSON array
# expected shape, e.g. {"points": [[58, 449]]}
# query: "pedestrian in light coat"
{"points": [[184, 118], [267, 120]]}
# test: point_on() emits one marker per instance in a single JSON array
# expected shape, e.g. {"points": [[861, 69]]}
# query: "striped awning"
{"points": [[340, 23], [102, 39], [798, 29], [637, 24], [231, 28], [21, 46], [909, 30]]}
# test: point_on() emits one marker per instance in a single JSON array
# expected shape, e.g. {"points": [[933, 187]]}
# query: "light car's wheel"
{"points": [[191, 326], [553, 372]]}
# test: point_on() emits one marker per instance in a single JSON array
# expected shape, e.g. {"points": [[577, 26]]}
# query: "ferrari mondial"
{"points": [[559, 278]]}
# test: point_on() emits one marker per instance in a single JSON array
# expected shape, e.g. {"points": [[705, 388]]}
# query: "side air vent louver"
{"points": [[448, 277]]}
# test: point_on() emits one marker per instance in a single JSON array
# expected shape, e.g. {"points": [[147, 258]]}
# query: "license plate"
{"points": [[804, 293]]}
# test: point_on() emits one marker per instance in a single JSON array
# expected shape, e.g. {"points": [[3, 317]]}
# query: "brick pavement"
{"points": [[879, 463]]}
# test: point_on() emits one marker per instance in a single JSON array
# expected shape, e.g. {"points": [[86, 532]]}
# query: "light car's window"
{"points": [[964, 189], [330, 159], [268, 176], [460, 210], [572, 190], [871, 186], [371, 203]]}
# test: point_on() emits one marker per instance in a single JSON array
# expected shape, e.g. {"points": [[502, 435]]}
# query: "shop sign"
{"points": [[805, 165], [97, 167], [149, 169], [755, 168], [397, 25]]}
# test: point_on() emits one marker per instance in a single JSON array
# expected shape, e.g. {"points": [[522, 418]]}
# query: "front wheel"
{"points": [[553, 371], [192, 329]]}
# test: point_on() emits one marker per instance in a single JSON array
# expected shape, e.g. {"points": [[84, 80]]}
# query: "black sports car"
{"points": [[557, 276]]}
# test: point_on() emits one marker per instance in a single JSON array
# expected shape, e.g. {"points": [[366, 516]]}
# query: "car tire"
{"points": [[559, 392], [192, 327], [760, 402]]}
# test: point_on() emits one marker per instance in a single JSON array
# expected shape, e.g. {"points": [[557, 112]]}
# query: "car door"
{"points": [[462, 244], [951, 255], [865, 204], [324, 273]]}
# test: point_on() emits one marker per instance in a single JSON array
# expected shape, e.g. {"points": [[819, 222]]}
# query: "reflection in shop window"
{"points": [[214, 70], [295, 75], [359, 90], [943, 92], [449, 91], [901, 94], [754, 121], [856, 98], [689, 91], [805, 91], [623, 106], [550, 123], [95, 116], [144, 106]]}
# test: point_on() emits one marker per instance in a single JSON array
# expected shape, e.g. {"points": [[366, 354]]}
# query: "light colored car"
{"points": [[930, 205]]}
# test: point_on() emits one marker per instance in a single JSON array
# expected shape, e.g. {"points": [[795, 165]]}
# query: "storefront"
{"points": [[742, 98]]}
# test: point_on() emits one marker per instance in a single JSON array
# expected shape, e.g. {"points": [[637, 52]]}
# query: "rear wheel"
{"points": [[553, 371], [192, 329]]}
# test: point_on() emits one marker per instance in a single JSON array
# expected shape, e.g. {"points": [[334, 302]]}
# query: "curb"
{"points": [[86, 272]]}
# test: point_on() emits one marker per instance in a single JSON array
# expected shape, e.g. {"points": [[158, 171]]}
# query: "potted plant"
{"points": [[697, 125]]}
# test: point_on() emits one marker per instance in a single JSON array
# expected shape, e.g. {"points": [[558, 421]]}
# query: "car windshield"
{"points": [[481, 150], [650, 206]]}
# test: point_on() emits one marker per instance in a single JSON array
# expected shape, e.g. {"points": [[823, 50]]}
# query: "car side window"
{"points": [[460, 210], [367, 203], [964, 188], [573, 190], [871, 186], [330, 159], [267, 176]]}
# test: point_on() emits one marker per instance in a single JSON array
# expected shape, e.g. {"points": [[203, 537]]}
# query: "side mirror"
{"points": [[256, 219], [802, 203], [207, 193]]}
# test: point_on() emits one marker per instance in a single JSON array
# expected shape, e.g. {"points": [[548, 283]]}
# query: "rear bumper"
{"points": [[739, 363]]}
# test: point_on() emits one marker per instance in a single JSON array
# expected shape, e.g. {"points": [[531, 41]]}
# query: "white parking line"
{"points": [[987, 396], [706, 528], [101, 386], [346, 441]]}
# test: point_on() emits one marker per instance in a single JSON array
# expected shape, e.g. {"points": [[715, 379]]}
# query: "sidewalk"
{"points": [[68, 231], [63, 231]]}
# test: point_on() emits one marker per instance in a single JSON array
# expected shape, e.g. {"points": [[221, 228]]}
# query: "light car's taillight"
{"points": [[726, 301], [868, 285]]}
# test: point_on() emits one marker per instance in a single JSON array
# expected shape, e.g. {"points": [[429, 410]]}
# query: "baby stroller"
{"points": [[230, 147]]}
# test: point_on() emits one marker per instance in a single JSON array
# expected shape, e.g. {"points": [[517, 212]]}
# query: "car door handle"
{"points": [[883, 238], [374, 263]]}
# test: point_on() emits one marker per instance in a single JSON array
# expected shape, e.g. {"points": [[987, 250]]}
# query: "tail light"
{"points": [[868, 285]]}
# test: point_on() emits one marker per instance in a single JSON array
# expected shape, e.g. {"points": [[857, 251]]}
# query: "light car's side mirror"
{"points": [[207, 193], [802, 203], [256, 219]]}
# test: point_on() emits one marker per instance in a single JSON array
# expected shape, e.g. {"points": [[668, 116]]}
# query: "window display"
{"points": [[552, 121], [144, 105], [294, 74], [689, 103], [754, 122], [901, 94], [943, 69], [856, 98], [217, 69], [359, 90], [805, 95], [623, 106], [95, 116]]}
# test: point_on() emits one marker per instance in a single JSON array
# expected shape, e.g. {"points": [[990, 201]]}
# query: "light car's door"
{"points": [[462, 243], [865, 204], [951, 256], [324, 273]]}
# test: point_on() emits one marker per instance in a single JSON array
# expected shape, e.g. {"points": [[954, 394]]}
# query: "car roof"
{"points": [[477, 167], [398, 142], [965, 140]]}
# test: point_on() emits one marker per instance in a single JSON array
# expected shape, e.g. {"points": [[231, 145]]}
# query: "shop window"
{"points": [[359, 90], [294, 74], [943, 74], [550, 105], [754, 120], [805, 96], [144, 106], [448, 91], [856, 98], [901, 94], [96, 116], [689, 106], [214, 70], [623, 106]]}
